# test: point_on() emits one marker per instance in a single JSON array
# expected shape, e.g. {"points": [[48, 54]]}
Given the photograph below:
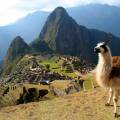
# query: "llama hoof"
{"points": [[115, 115], [107, 104]]}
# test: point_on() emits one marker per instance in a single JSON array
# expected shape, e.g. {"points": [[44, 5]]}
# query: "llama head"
{"points": [[102, 47]]}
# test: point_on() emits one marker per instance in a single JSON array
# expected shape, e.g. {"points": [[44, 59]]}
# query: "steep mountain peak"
{"points": [[18, 47], [57, 19], [57, 15], [18, 39], [60, 11], [63, 35], [57, 23], [60, 8]]}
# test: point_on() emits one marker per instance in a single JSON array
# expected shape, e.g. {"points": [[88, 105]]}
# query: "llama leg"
{"points": [[110, 97], [115, 99]]}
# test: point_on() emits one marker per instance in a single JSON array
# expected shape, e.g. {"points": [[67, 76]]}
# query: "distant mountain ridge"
{"points": [[96, 16], [63, 35], [27, 27]]}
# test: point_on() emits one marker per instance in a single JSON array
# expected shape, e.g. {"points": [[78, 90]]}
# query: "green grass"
{"points": [[57, 68], [60, 84], [89, 80]]}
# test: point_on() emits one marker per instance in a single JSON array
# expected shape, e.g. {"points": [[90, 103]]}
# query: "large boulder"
{"points": [[31, 95], [43, 92]]}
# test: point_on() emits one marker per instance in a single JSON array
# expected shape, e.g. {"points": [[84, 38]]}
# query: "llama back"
{"points": [[116, 61]]}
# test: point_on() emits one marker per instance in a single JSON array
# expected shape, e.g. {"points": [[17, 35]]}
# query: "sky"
{"points": [[12, 10]]}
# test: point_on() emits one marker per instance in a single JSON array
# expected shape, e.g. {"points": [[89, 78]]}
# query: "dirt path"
{"points": [[87, 105]]}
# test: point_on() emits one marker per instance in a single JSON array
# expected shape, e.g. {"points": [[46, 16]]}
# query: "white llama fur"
{"points": [[103, 73]]}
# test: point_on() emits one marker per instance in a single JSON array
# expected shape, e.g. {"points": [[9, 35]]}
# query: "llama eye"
{"points": [[103, 46]]}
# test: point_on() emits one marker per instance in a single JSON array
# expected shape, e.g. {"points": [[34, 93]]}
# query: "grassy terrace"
{"points": [[89, 81], [56, 67], [12, 96]]}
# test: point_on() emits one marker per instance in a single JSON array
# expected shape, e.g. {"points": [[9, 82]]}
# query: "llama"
{"points": [[107, 75]]}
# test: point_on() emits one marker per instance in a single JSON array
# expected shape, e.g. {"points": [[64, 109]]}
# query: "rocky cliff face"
{"points": [[17, 48], [63, 35]]}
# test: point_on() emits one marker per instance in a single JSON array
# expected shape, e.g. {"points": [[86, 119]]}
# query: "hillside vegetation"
{"points": [[33, 68], [61, 34], [59, 70]]}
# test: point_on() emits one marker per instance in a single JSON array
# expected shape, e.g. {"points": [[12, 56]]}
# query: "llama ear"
{"points": [[109, 38], [107, 42]]}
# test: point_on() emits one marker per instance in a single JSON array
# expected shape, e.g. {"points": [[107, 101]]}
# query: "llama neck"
{"points": [[105, 63], [104, 68]]}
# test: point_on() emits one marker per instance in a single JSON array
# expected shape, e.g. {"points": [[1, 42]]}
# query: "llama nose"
{"points": [[96, 50]]}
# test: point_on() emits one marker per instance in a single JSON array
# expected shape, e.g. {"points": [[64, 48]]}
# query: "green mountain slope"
{"points": [[17, 49], [63, 35]]}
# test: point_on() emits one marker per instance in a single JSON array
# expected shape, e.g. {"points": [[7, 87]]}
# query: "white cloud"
{"points": [[7, 13], [11, 10]]}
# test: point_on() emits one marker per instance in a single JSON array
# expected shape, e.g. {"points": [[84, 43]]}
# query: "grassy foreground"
{"points": [[85, 105]]}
